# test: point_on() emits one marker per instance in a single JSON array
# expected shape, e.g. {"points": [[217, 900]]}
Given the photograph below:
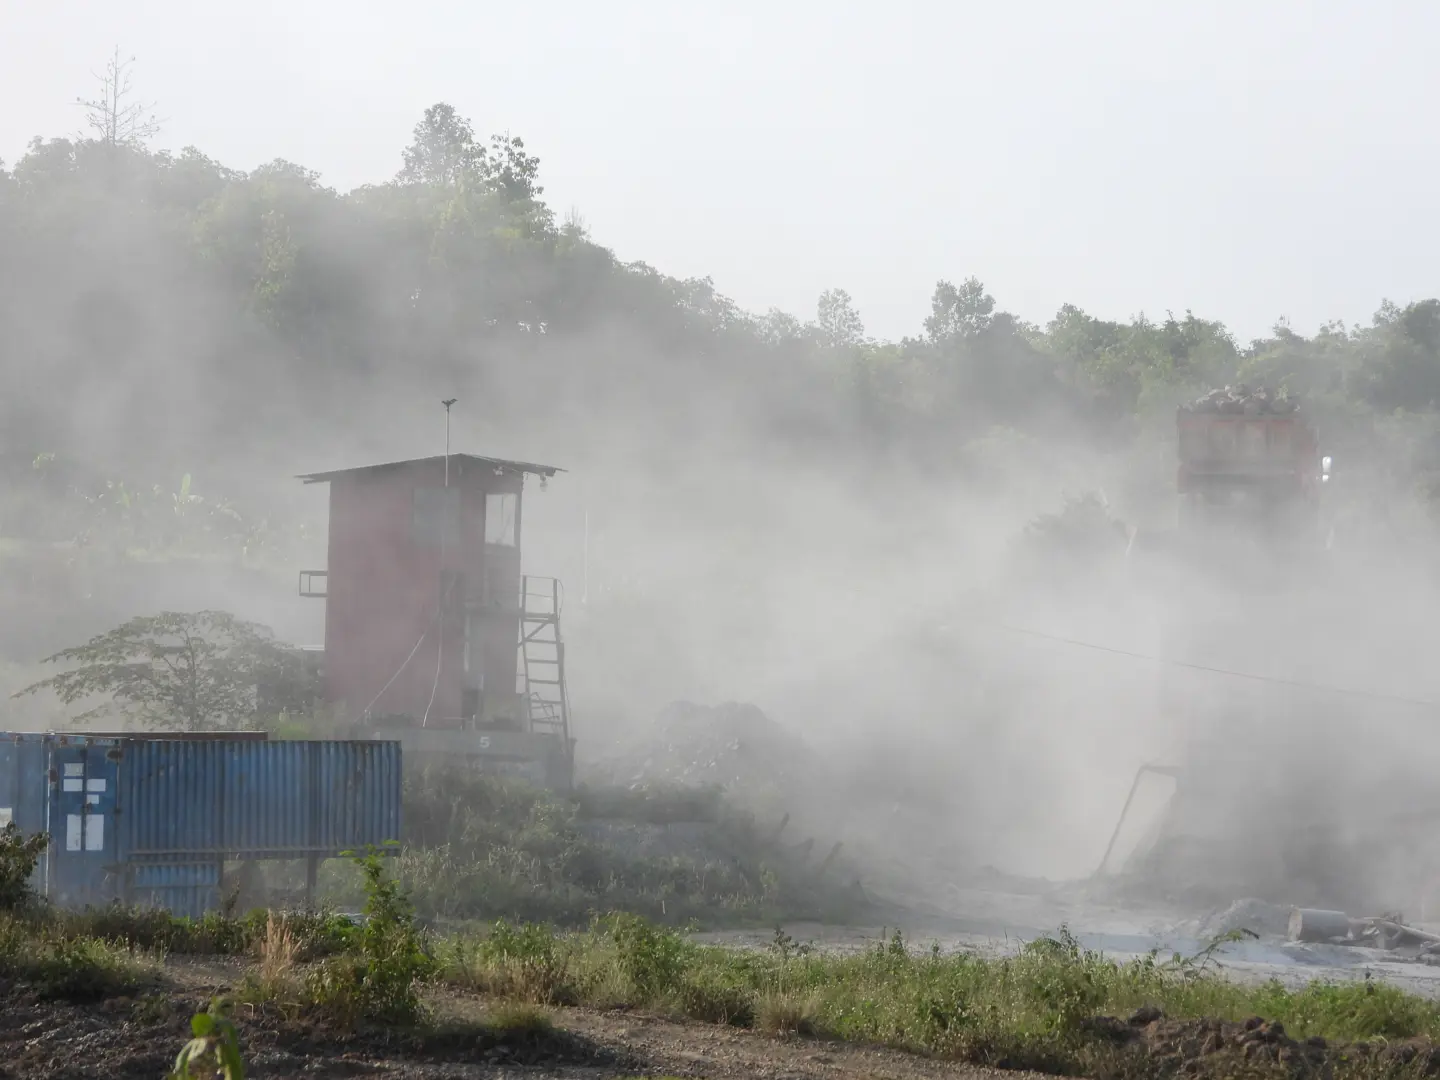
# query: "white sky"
{"points": [[1244, 158]]}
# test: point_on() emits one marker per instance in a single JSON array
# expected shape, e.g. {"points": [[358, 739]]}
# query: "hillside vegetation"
{"points": [[244, 306]]}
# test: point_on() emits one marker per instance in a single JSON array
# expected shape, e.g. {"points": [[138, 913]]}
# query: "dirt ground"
{"points": [[126, 1039]]}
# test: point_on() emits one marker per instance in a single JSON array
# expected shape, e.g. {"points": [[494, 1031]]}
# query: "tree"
{"points": [[443, 150], [512, 170], [203, 671], [113, 116], [958, 312], [837, 320]]}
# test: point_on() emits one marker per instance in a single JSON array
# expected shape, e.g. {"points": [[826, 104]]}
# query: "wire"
{"points": [[1374, 695], [439, 648], [403, 665]]}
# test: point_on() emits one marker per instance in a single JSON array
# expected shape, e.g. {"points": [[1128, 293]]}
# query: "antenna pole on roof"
{"points": [[447, 403]]}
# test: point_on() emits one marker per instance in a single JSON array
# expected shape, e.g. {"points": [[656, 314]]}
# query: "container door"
{"points": [[82, 825]]}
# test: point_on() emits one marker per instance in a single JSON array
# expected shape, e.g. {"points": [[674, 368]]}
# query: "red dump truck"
{"points": [[1248, 458]]}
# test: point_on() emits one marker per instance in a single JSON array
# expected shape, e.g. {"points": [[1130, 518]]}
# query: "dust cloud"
{"points": [[754, 509]]}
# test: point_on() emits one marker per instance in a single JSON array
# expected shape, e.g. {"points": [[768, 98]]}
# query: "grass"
{"points": [[1053, 1006], [312, 935], [1037, 1009], [62, 965], [1044, 1008]]}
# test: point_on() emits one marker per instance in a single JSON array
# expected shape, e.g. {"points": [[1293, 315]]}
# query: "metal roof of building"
{"points": [[499, 465]]}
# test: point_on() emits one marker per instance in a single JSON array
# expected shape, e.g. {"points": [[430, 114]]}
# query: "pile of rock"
{"points": [[1242, 400], [1259, 917], [732, 746]]}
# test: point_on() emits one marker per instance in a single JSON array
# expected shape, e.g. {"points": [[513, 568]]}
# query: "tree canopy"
{"points": [[202, 671], [263, 314]]}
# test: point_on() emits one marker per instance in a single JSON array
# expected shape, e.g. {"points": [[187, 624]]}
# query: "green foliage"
{"points": [[58, 963], [651, 958], [528, 962], [19, 855], [459, 266], [378, 980], [214, 1051], [1035, 1009], [486, 848], [316, 934], [200, 671]]}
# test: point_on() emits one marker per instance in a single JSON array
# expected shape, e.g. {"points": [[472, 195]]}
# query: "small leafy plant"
{"points": [[213, 1052]]}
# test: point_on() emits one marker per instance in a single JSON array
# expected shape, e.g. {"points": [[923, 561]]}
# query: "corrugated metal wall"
{"points": [[153, 820], [273, 800]]}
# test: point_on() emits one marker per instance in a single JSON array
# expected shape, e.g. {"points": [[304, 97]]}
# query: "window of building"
{"points": [[436, 516], [501, 509]]}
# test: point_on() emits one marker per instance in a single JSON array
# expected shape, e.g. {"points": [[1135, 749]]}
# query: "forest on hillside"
{"points": [[179, 338], [249, 309]]}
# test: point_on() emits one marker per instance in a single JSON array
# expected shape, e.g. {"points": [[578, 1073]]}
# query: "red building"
{"points": [[431, 629]]}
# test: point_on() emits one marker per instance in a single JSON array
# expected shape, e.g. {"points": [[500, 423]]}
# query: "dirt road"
{"points": [[129, 1039]]}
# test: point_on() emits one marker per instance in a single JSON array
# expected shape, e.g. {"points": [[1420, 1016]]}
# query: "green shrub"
{"points": [[716, 997], [19, 855], [652, 958], [317, 934], [60, 965], [528, 962], [484, 847], [377, 980]]}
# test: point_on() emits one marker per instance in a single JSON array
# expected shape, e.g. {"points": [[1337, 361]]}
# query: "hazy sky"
{"points": [[1244, 158]]}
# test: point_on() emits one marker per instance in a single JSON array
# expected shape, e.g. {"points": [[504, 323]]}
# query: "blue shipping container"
{"points": [[153, 821]]}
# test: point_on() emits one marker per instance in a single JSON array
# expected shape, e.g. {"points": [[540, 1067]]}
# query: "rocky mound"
{"points": [[733, 747], [1241, 400]]}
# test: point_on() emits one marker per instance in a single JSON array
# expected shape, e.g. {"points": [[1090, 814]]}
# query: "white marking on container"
{"points": [[92, 800], [72, 832], [74, 768], [94, 785], [7, 815], [95, 832], [74, 785]]}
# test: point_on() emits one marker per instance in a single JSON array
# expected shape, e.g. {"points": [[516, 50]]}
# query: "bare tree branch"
{"points": [[112, 116]]}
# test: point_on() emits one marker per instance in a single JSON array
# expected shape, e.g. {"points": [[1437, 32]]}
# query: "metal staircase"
{"points": [[542, 658]]}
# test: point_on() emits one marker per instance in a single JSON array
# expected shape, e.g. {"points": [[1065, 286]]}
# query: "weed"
{"points": [[483, 848], [377, 980], [19, 855], [316, 934], [1206, 960], [652, 958], [68, 967], [785, 947], [528, 962], [519, 1020], [278, 951], [213, 1052], [716, 997], [788, 1014], [152, 1008], [81, 969]]}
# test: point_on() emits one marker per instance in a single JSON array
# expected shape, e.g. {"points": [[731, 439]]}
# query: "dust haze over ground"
{"points": [[758, 509]]}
